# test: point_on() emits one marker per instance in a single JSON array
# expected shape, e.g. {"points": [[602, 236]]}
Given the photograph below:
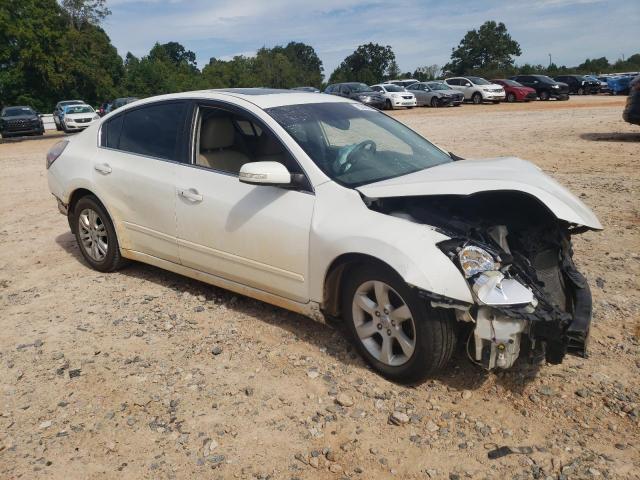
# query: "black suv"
{"points": [[579, 84], [545, 87], [357, 91], [21, 120]]}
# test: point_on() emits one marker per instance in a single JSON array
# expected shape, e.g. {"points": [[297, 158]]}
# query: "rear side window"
{"points": [[111, 132], [152, 130]]}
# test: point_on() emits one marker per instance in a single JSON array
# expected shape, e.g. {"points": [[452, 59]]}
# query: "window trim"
{"points": [[193, 116], [181, 142]]}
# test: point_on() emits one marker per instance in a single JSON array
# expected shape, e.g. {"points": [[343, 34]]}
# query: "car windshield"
{"points": [[544, 78], [439, 86], [354, 144], [17, 111], [511, 83], [478, 81], [359, 87], [393, 88], [78, 109]]}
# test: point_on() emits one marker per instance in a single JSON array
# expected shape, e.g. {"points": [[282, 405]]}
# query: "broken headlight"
{"points": [[474, 260]]}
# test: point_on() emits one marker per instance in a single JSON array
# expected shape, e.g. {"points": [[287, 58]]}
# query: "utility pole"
{"points": [[549, 59]]}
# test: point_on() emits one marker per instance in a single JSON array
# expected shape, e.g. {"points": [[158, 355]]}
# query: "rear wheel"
{"points": [[96, 235], [477, 98], [511, 97], [393, 329], [580, 91]]}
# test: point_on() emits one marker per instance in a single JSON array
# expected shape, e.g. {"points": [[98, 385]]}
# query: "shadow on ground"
{"points": [[459, 375], [612, 137]]}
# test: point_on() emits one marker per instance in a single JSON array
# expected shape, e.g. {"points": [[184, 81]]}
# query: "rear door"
{"points": [[134, 174]]}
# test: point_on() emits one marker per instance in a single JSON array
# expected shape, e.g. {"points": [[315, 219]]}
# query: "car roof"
{"points": [[261, 97]]}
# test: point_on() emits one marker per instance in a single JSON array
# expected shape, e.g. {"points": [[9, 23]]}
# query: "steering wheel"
{"points": [[351, 160]]}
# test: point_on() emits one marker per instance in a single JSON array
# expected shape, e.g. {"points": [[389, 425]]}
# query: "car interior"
{"points": [[227, 141]]}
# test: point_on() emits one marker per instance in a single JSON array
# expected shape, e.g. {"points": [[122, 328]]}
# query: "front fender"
{"points": [[342, 224]]}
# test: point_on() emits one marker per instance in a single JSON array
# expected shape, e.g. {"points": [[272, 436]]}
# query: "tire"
{"points": [[434, 102], [476, 98], [496, 102], [544, 95], [431, 331], [98, 231], [511, 97], [580, 91], [387, 105], [409, 108]]}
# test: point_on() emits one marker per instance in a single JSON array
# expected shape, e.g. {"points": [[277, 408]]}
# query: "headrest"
{"points": [[217, 132]]}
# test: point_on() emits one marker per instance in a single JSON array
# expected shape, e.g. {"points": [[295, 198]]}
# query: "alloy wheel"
{"points": [[93, 234], [384, 323]]}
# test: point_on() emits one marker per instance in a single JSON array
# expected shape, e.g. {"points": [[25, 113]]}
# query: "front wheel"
{"points": [[96, 235], [580, 91], [434, 102], [395, 331], [387, 105], [544, 95], [476, 98]]}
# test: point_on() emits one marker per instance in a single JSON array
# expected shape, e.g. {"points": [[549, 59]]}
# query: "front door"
{"points": [[254, 235]]}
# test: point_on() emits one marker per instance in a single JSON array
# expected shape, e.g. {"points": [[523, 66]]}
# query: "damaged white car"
{"points": [[327, 207]]}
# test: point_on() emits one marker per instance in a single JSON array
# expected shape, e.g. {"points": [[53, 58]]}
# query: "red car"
{"points": [[516, 92]]}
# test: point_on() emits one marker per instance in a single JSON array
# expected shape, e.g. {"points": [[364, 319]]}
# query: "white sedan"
{"points": [[327, 207], [396, 96], [77, 117]]}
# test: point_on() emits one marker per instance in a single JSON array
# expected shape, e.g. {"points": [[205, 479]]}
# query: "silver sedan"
{"points": [[435, 94]]}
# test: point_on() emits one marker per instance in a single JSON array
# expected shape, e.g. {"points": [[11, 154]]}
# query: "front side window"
{"points": [[152, 130], [454, 81], [354, 144], [439, 86], [479, 81], [227, 140]]}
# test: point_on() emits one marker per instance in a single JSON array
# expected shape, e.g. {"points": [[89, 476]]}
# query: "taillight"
{"points": [[55, 152]]}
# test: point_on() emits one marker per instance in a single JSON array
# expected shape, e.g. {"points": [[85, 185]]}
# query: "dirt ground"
{"points": [[146, 374]]}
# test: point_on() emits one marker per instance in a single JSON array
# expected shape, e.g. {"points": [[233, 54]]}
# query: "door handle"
{"points": [[190, 194], [103, 168]]}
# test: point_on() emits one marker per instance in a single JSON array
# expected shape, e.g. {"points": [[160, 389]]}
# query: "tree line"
{"points": [[52, 50]]}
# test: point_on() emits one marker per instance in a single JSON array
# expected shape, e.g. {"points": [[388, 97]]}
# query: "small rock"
{"points": [[399, 418], [582, 392], [466, 394], [198, 309], [46, 424], [314, 462], [344, 400], [74, 373], [546, 391], [335, 468], [217, 350]]}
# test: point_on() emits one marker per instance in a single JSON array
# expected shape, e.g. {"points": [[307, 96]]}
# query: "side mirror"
{"points": [[265, 173]]}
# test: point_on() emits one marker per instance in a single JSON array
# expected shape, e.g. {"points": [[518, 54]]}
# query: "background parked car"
{"points": [[516, 92], [545, 87], [357, 91], [602, 81], [405, 82], [20, 120], [307, 89], [58, 110], [619, 85], [579, 84], [477, 89], [631, 112], [121, 102], [435, 94], [395, 96], [77, 117], [103, 109]]}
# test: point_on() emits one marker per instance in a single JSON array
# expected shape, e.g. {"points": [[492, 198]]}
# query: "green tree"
{"points": [[488, 50], [307, 65], [595, 65], [85, 11], [369, 64], [426, 73]]}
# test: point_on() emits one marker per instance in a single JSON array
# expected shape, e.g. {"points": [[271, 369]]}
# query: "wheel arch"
{"points": [[336, 274]]}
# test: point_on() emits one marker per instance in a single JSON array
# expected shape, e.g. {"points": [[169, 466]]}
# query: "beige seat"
{"points": [[217, 146]]}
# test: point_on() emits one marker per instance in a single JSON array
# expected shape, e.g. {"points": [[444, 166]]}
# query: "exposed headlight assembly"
{"points": [[474, 260]]}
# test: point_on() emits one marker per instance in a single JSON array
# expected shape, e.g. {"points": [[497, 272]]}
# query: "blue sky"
{"points": [[421, 32]]}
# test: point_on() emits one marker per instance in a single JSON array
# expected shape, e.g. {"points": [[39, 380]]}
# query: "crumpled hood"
{"points": [[466, 177]]}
